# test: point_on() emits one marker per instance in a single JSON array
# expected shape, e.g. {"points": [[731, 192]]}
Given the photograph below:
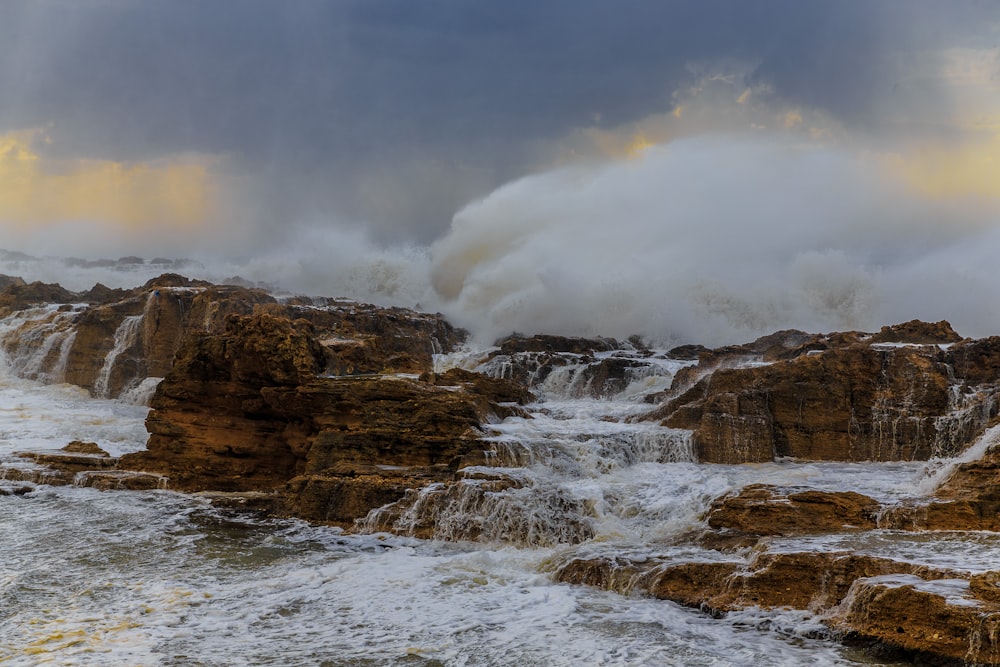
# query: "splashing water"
{"points": [[162, 579]]}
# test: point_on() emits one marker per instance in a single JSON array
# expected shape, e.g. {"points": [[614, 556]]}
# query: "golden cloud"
{"points": [[35, 190], [966, 170]]}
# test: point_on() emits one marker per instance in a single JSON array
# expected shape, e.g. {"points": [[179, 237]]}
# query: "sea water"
{"points": [[160, 578]]}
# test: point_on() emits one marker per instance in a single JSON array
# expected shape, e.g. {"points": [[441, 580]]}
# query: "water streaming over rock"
{"points": [[36, 342], [125, 338], [158, 578]]}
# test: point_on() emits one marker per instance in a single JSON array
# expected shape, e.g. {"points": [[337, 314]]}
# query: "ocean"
{"points": [[92, 577], [158, 578]]}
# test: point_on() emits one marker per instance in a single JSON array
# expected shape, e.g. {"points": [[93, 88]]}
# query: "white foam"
{"points": [[160, 579], [157, 578]]}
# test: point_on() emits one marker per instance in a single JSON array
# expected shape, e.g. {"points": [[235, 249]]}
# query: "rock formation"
{"points": [[328, 410], [932, 616], [257, 408], [599, 367], [910, 392], [109, 341]]}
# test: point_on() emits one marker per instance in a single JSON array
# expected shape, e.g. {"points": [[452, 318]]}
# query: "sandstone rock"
{"points": [[573, 367], [372, 339], [977, 362], [123, 337], [80, 447], [253, 408], [6, 281], [617, 574], [933, 623], [516, 344], [862, 401], [502, 395], [764, 510], [71, 462], [933, 616], [917, 332], [18, 295], [935, 514]]}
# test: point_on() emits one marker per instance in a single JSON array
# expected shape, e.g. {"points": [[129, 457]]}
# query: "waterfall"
{"points": [[125, 337], [557, 476], [58, 373], [36, 342]]}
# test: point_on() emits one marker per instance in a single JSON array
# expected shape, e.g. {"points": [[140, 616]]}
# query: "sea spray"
{"points": [[679, 245]]}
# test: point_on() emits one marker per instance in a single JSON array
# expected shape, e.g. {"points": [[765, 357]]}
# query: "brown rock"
{"points": [[68, 462], [800, 580], [923, 622], [124, 337], [80, 447], [18, 295], [765, 510], [254, 409], [855, 403], [516, 344], [917, 332], [340, 499]]}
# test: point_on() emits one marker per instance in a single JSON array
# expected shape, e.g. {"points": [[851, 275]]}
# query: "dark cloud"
{"points": [[397, 111]]}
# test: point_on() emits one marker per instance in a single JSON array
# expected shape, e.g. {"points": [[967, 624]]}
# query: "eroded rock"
{"points": [[763, 510], [847, 397], [254, 408]]}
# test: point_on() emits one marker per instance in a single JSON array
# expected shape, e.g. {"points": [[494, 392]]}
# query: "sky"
{"points": [[683, 169]]}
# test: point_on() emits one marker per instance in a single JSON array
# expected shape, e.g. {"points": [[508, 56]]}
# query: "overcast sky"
{"points": [[393, 114], [696, 170]]}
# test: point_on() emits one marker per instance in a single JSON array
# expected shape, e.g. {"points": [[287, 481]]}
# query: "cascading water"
{"points": [[162, 579], [545, 479], [125, 337], [36, 342]]}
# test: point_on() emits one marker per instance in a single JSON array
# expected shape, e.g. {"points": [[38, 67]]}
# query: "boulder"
{"points": [[764, 510]]}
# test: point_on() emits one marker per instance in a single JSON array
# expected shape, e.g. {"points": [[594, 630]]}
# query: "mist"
{"points": [[718, 240], [713, 239], [819, 166]]}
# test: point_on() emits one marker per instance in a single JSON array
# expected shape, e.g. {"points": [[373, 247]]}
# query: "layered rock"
{"points": [[763, 510], [259, 407], [573, 367], [328, 410], [934, 616], [909, 392], [110, 341]]}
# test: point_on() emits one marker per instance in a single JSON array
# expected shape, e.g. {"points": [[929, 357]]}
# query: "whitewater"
{"points": [[160, 578], [675, 247]]}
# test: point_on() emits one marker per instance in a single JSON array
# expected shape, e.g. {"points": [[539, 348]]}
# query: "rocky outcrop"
{"points": [[110, 341], [572, 367], [763, 510], [930, 615], [256, 407], [909, 392], [332, 411]]}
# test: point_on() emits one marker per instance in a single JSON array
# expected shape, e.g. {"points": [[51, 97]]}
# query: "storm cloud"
{"points": [[392, 114], [689, 170]]}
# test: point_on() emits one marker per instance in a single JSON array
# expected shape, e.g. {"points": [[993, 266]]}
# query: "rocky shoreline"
{"points": [[334, 412]]}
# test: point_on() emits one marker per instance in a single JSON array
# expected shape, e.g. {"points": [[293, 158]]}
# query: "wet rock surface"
{"points": [[110, 341], [256, 408], [333, 411], [763, 510], [907, 393]]}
